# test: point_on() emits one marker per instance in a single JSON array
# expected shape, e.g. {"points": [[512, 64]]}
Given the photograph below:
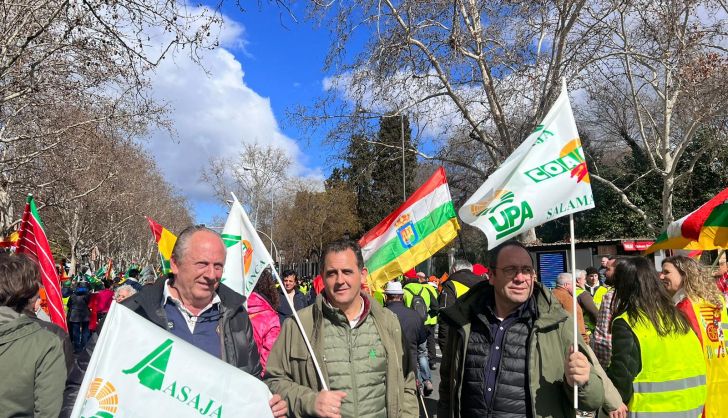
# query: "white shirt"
{"points": [[355, 320], [290, 296], [189, 317]]}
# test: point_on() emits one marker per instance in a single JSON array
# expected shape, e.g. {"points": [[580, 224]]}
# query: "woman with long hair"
{"points": [[657, 364], [699, 299], [263, 312]]}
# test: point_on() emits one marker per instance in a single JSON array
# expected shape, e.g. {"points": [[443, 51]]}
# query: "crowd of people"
{"points": [[650, 344]]}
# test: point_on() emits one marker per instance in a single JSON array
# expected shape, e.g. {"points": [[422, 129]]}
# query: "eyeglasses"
{"points": [[512, 271]]}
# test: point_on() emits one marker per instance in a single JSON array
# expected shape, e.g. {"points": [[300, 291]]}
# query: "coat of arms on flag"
{"points": [[406, 231]]}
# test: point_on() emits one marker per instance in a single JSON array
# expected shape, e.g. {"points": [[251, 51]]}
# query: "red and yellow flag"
{"points": [[165, 242]]}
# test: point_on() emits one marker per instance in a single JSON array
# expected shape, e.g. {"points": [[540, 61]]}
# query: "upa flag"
{"points": [[33, 240], [246, 257], [545, 178], [165, 242], [706, 228], [149, 372], [414, 232]]}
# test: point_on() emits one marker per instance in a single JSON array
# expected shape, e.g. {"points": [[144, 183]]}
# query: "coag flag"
{"points": [[33, 240], [706, 228], [151, 373], [545, 178], [415, 231], [246, 257], [165, 242]]}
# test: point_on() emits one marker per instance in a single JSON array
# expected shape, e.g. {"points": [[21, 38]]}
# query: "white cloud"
{"points": [[213, 111]]}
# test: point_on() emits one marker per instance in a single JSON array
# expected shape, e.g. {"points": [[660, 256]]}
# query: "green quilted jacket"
{"points": [[373, 371]]}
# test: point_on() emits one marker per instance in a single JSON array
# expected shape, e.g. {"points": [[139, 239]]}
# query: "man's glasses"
{"points": [[512, 271]]}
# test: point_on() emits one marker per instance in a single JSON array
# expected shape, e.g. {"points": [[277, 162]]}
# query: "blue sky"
{"points": [[266, 65]]}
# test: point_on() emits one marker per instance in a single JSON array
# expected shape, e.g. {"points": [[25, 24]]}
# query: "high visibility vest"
{"points": [[599, 295], [379, 297], [427, 293], [713, 324], [672, 379]]}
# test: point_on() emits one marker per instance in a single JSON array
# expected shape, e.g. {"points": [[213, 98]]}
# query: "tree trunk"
{"points": [[668, 185], [6, 209]]}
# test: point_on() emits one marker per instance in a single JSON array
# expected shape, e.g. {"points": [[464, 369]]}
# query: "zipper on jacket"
{"points": [[354, 385]]}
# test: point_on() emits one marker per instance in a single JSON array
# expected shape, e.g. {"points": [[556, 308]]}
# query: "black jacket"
{"points": [[626, 361], [78, 308], [412, 326], [448, 297], [238, 344], [300, 301]]}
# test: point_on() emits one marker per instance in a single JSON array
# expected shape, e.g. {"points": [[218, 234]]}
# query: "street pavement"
{"points": [[431, 401]]}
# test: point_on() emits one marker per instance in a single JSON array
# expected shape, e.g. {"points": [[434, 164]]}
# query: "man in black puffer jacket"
{"points": [[194, 306], [508, 349]]}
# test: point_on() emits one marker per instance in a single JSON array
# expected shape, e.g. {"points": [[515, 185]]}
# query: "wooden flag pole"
{"points": [[573, 300]]}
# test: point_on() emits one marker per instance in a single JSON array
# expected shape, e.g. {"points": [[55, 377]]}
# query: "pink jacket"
{"points": [[266, 325]]}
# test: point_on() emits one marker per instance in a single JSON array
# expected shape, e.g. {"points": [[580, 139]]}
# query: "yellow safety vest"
{"points": [[427, 292], [713, 324], [379, 297], [599, 295], [672, 379]]}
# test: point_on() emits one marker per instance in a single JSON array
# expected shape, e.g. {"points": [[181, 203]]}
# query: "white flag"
{"points": [[246, 256], [545, 178], [140, 370]]}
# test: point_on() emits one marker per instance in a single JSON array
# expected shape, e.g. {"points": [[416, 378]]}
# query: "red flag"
{"points": [[33, 240]]}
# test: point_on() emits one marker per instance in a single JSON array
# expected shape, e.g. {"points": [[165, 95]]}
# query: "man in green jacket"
{"points": [[509, 349], [358, 344]]}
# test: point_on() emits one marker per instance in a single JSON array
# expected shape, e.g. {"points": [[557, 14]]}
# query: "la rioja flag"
{"points": [[33, 240]]}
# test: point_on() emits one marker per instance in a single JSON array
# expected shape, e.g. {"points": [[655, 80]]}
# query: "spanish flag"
{"points": [[165, 242]]}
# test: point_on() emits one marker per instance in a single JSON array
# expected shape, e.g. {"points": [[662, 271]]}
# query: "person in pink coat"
{"points": [[263, 312]]}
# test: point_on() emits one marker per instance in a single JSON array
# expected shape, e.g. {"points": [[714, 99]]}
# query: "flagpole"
{"points": [[573, 301], [161, 263], [269, 260], [300, 327]]}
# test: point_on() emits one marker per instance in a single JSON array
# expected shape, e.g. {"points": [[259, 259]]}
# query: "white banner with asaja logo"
{"points": [[140, 370], [545, 178]]}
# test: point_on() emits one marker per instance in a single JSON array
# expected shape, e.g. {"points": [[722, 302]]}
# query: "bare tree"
{"points": [[479, 75], [90, 57], [256, 175], [661, 79], [486, 69], [311, 217]]}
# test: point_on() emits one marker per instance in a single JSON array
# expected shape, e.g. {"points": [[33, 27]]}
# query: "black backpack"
{"points": [[418, 303]]}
